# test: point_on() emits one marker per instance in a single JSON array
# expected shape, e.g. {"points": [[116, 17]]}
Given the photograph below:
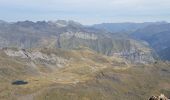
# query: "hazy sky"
{"points": [[86, 11]]}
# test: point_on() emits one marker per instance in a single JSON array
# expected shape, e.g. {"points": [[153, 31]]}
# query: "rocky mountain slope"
{"points": [[44, 67], [77, 75], [158, 36], [155, 34], [70, 35]]}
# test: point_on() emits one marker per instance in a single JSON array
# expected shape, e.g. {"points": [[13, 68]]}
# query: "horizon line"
{"points": [[69, 20]]}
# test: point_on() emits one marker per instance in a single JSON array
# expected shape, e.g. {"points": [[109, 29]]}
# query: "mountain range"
{"points": [[65, 60], [71, 35]]}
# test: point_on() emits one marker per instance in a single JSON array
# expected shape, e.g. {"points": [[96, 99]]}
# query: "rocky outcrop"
{"points": [[81, 35], [161, 97], [36, 56], [135, 52], [136, 57]]}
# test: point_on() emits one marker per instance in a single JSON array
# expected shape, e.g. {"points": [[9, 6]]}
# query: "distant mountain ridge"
{"points": [[124, 27]]}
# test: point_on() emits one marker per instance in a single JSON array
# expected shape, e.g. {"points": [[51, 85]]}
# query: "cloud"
{"points": [[92, 10]]}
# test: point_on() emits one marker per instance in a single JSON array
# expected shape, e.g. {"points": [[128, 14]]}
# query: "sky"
{"points": [[86, 11]]}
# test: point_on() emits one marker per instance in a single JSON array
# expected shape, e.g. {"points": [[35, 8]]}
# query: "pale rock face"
{"points": [[35, 55], [81, 35], [136, 54], [60, 25], [136, 57], [13, 53]]}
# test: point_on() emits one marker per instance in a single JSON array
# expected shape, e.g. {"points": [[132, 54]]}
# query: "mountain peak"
{"points": [[64, 23]]}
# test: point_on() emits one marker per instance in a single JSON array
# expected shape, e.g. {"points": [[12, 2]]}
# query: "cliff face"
{"points": [[71, 35], [136, 52], [131, 50], [136, 56]]}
